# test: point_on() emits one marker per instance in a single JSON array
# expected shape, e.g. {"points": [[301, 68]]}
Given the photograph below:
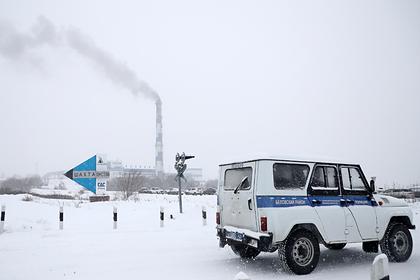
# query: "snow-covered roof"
{"points": [[289, 158]]}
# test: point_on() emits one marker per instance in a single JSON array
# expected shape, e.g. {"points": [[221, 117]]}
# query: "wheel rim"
{"points": [[400, 242], [303, 251]]}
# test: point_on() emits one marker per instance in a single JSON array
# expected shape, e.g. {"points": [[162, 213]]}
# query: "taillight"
{"points": [[263, 224], [218, 218]]}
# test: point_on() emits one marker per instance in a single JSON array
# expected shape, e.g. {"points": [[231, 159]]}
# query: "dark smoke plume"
{"points": [[14, 44], [17, 45], [116, 71]]}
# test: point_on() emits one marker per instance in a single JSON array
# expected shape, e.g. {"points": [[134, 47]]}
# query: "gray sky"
{"points": [[330, 79]]}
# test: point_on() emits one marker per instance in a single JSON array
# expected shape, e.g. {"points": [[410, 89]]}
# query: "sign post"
{"points": [[180, 167], [93, 175]]}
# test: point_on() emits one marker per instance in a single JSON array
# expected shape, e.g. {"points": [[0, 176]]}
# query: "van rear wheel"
{"points": [[245, 251], [299, 253]]}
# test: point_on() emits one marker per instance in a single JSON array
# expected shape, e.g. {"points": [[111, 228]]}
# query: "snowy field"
{"points": [[32, 247]]}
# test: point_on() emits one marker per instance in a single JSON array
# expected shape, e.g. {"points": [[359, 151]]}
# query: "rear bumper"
{"points": [[232, 235]]}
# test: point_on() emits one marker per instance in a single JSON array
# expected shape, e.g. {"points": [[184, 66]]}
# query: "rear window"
{"points": [[290, 176], [233, 177]]}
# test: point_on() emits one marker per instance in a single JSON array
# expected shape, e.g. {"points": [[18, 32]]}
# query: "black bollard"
{"points": [[115, 217], [162, 216], [3, 217], [61, 217]]}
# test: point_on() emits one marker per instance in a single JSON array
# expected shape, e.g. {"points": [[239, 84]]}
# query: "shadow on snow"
{"points": [[267, 263]]}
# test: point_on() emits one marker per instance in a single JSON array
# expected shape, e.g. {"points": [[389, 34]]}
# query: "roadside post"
{"points": [[115, 217], [380, 269], [162, 216], [241, 276], [61, 217], [180, 167], [3, 217], [204, 214]]}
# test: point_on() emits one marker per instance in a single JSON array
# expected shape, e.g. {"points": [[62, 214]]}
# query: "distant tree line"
{"points": [[127, 184], [132, 182], [16, 185]]}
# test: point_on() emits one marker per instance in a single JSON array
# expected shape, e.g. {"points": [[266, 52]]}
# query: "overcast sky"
{"points": [[329, 79]]}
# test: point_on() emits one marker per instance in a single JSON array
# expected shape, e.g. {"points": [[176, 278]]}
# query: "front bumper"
{"points": [[231, 235]]}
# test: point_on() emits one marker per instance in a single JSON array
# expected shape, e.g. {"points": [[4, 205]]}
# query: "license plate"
{"points": [[237, 236]]}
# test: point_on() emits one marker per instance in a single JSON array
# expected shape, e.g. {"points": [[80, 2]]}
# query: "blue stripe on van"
{"points": [[269, 201], [281, 201], [361, 200]]}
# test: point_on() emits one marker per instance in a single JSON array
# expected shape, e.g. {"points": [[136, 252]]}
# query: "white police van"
{"points": [[293, 206]]}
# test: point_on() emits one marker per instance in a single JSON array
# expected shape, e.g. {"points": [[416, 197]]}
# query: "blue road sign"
{"points": [[87, 175]]}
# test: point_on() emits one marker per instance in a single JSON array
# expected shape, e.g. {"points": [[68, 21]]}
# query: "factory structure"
{"points": [[159, 141], [117, 169]]}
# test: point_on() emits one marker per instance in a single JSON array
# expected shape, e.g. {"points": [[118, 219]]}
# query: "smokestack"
{"points": [[159, 143], [15, 45]]}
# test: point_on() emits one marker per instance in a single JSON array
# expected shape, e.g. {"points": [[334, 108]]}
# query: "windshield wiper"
{"points": [[244, 179]]}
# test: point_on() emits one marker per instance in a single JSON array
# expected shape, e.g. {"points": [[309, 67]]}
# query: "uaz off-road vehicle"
{"points": [[293, 206]]}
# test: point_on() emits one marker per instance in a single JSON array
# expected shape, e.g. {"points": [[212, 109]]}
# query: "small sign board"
{"points": [[91, 174]]}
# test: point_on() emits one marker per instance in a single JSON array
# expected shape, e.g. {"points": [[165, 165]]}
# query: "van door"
{"points": [[359, 202], [324, 195], [237, 196]]}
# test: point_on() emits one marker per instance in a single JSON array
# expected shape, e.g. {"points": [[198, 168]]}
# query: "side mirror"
{"points": [[372, 185]]}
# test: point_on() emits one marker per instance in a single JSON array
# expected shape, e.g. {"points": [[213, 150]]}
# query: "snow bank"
{"points": [[89, 248]]}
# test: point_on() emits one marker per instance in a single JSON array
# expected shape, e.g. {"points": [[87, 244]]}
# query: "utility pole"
{"points": [[180, 167]]}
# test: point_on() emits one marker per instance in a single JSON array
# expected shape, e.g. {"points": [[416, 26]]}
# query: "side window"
{"points": [[332, 177], [345, 176], [352, 179], [288, 176], [325, 177], [234, 177], [356, 180], [318, 180]]}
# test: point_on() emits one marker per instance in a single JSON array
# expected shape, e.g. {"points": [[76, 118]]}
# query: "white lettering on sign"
{"points": [[84, 174], [90, 174]]}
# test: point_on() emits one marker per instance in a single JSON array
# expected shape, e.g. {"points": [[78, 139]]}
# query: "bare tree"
{"points": [[211, 183], [20, 184], [129, 183], [190, 183]]}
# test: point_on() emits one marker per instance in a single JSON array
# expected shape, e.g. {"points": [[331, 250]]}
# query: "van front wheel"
{"points": [[299, 253], [244, 251], [397, 243]]}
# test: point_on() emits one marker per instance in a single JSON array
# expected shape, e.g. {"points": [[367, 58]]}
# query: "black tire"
{"points": [[397, 243], [299, 253], [244, 251], [337, 246]]}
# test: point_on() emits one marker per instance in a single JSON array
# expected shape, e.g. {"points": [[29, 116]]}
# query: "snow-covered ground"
{"points": [[32, 247]]}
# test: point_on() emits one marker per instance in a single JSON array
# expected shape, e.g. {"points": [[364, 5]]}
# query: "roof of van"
{"points": [[324, 161]]}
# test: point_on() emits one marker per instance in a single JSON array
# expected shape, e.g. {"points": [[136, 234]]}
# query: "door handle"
{"points": [[316, 201], [350, 201], [249, 204], [343, 202]]}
